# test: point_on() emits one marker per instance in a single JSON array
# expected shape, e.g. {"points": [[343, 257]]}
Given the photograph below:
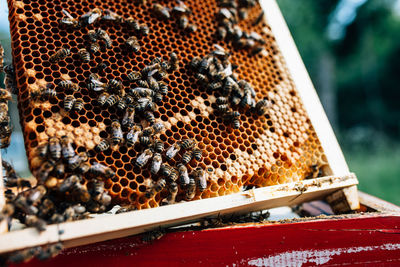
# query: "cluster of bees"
{"points": [[5, 96], [215, 72], [229, 15], [180, 12]]}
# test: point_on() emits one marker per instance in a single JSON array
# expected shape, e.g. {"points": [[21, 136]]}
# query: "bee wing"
{"points": [[93, 17], [66, 13], [98, 88]]}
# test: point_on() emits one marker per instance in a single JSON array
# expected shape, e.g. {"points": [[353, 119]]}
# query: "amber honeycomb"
{"points": [[273, 149]]}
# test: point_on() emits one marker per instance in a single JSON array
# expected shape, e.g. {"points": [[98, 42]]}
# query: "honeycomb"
{"points": [[276, 148]]}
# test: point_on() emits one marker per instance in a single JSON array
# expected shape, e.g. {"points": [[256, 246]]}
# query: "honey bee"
{"points": [[117, 135], [59, 55], [55, 148], [214, 86], [68, 84], [195, 63], [156, 163], [36, 194], [103, 98], [78, 105], [262, 107], [151, 236], [69, 20], [94, 47], [149, 116], [101, 67], [205, 64], [115, 86], [103, 35], [24, 255], [69, 183], [9, 80], [44, 170], [102, 146], [59, 169], [191, 28], [11, 179], [92, 36], [256, 50], [111, 100], [200, 176], [109, 15], [163, 87], [161, 11], [153, 84], [33, 221], [5, 95], [95, 84], [144, 103], [246, 99], [44, 93], [132, 137], [166, 170], [259, 18], [144, 158], [201, 78], [99, 169], [183, 174], [190, 189], [96, 190], [143, 83], [84, 55], [158, 98], [46, 207], [134, 75], [132, 44], [91, 17], [221, 100], [142, 91], [187, 143], [4, 117], [172, 151], [233, 118], [50, 252], [5, 136], [183, 22], [156, 188], [144, 29], [129, 117], [197, 153], [173, 191], [84, 167], [67, 151], [145, 141], [173, 175], [133, 24], [158, 146], [187, 157], [76, 160]]}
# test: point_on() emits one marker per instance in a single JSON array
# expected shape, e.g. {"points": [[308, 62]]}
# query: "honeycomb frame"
{"points": [[274, 149]]}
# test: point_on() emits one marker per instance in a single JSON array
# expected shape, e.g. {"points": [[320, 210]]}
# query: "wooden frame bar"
{"points": [[135, 222], [305, 87]]}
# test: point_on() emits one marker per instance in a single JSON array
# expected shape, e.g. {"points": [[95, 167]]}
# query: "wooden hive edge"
{"points": [[304, 86], [125, 224]]}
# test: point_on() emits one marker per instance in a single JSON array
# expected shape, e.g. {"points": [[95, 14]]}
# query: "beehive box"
{"points": [[265, 151]]}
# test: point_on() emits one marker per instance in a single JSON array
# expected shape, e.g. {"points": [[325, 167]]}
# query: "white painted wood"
{"points": [[305, 87], [130, 223]]}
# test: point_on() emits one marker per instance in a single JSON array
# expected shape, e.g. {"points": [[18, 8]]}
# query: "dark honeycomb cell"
{"points": [[277, 148]]}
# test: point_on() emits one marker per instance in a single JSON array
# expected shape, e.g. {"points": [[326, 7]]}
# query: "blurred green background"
{"points": [[351, 49]]}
